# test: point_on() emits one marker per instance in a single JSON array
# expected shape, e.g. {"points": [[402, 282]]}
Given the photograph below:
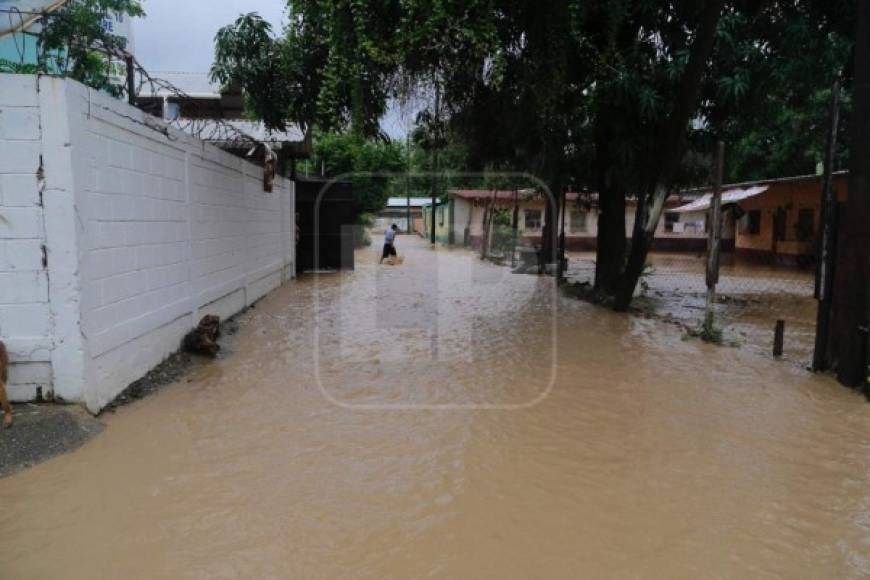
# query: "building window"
{"points": [[780, 224], [753, 222], [441, 216], [806, 225], [670, 219], [578, 221], [533, 219]]}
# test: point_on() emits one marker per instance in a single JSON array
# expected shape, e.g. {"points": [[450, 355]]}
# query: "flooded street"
{"points": [[751, 297], [448, 419]]}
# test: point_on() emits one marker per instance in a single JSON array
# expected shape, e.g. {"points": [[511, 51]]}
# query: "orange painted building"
{"points": [[782, 224], [776, 221]]}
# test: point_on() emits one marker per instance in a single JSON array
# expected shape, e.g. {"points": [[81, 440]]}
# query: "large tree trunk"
{"points": [[650, 204], [610, 243], [851, 297], [550, 231]]}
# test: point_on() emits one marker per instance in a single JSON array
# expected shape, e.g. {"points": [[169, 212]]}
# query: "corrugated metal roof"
{"points": [[485, 194], [403, 201], [771, 181], [194, 84], [733, 195]]}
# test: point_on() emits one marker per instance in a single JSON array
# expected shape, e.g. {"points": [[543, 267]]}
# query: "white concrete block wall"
{"points": [[24, 302], [147, 229]]}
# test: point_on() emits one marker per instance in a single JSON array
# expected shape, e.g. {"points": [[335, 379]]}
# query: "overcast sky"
{"points": [[178, 35]]}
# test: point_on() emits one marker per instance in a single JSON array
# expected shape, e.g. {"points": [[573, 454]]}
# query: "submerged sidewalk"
{"points": [[448, 419]]}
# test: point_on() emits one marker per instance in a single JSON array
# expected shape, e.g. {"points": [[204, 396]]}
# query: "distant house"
{"points": [[451, 221], [188, 95], [773, 220], [397, 210], [459, 220]]}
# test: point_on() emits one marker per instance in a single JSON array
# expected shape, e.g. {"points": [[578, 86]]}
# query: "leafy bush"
{"points": [[9, 66], [361, 236], [361, 161], [503, 232], [74, 43]]}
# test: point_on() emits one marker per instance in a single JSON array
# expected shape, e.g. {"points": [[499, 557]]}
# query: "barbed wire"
{"points": [[204, 128]]}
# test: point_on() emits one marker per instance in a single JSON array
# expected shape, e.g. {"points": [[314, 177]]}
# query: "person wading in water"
{"points": [[389, 243]]}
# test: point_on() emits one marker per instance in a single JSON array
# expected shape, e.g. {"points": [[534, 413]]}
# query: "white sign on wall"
{"points": [[119, 25]]}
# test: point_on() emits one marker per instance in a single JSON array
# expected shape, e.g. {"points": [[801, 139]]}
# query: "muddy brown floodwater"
{"points": [[447, 419], [752, 297]]}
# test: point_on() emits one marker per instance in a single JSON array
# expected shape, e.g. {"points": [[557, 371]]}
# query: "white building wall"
{"points": [[147, 229], [461, 219], [24, 303]]}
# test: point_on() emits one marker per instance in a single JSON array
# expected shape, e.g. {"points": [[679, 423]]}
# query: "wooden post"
{"points": [[560, 269], [131, 79], [515, 224], [852, 276], [488, 215], [714, 240], [826, 249], [778, 338], [410, 227], [434, 206]]}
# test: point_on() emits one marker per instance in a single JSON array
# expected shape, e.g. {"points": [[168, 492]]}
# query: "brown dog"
{"points": [[4, 376]]}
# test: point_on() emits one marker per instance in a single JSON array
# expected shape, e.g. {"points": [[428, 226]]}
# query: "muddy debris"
{"points": [[42, 432], [203, 339], [178, 364]]}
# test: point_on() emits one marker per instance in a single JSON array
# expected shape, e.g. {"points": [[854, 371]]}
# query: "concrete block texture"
{"points": [[117, 237]]}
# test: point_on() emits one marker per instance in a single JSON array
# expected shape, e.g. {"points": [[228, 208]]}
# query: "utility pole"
{"points": [[436, 145], [826, 249], [714, 241]]}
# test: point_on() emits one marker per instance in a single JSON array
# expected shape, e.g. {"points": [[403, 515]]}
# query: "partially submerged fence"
{"points": [[766, 274], [752, 295], [117, 233]]}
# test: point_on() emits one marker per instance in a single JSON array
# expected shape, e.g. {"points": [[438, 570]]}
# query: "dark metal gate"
{"points": [[327, 214]]}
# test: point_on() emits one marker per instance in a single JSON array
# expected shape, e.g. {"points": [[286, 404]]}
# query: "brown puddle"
{"points": [[529, 436]]}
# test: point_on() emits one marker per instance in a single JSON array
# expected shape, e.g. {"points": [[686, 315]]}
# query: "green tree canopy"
{"points": [[768, 91], [367, 163], [73, 42], [604, 95]]}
